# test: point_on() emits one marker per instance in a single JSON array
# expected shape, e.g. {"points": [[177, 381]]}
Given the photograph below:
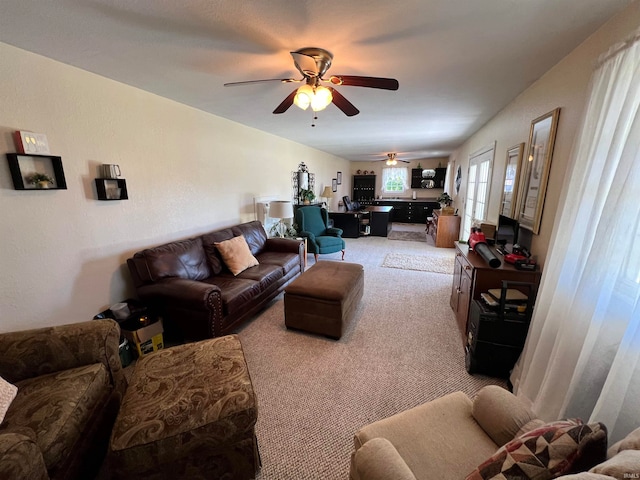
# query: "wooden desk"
{"points": [[380, 220], [349, 222]]}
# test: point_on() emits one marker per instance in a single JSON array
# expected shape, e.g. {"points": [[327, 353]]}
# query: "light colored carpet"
{"points": [[422, 263], [408, 235], [402, 349]]}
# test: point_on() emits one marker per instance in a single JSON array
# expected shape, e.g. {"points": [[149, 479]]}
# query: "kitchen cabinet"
{"points": [[418, 181], [408, 211]]}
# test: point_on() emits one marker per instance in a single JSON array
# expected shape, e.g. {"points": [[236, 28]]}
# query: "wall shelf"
{"points": [[22, 166], [111, 189]]}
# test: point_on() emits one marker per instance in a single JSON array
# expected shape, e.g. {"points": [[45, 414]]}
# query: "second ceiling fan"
{"points": [[392, 160], [313, 63]]}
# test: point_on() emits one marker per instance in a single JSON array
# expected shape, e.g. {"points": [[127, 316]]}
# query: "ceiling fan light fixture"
{"points": [[318, 98], [391, 160], [303, 97], [321, 99]]}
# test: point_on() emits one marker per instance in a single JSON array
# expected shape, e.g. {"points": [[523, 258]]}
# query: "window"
{"points": [[394, 180], [480, 164]]}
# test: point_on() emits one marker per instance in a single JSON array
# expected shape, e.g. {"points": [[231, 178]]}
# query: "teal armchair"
{"points": [[313, 225]]}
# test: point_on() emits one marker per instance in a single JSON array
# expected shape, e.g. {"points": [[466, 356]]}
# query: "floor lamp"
{"points": [[328, 194], [281, 209]]}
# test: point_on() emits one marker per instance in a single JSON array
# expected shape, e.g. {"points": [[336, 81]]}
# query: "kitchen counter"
{"points": [[407, 210], [419, 199]]}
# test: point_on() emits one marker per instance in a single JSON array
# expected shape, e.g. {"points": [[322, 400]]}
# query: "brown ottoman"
{"points": [[323, 299], [189, 412]]}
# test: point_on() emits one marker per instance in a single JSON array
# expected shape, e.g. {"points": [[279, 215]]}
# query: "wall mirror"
{"points": [[536, 169], [509, 199], [301, 180]]}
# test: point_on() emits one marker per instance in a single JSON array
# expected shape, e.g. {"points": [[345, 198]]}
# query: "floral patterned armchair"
{"points": [[70, 383]]}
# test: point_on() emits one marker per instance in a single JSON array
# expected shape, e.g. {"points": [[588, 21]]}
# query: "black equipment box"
{"points": [[496, 335]]}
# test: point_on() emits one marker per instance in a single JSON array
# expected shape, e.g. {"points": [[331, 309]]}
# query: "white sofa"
{"points": [[450, 437]]}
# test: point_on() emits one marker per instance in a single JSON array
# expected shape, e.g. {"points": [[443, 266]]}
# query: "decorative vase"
{"points": [[43, 184], [306, 201]]}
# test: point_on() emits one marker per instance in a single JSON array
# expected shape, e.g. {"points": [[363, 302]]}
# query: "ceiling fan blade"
{"points": [[343, 104], [250, 82], [286, 103], [370, 82], [305, 63]]}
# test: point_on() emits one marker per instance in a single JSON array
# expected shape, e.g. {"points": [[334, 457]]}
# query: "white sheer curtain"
{"points": [[582, 357], [395, 179]]}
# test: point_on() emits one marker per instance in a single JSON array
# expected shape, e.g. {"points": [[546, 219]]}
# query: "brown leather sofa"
{"points": [[188, 285]]}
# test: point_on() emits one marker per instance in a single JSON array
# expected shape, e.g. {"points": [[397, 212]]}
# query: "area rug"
{"points": [[423, 263], [407, 235]]}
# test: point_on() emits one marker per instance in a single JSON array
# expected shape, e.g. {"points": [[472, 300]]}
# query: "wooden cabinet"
{"points": [[438, 179], [461, 293], [472, 276], [364, 188], [416, 178], [444, 229]]}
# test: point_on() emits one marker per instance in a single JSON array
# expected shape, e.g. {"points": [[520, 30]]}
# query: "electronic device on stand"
{"points": [[498, 326], [514, 243]]}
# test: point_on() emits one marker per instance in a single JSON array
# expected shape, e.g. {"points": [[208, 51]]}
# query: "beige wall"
{"points": [[565, 86], [63, 252]]}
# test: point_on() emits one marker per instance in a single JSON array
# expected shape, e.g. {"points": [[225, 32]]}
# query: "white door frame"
{"points": [[475, 208]]}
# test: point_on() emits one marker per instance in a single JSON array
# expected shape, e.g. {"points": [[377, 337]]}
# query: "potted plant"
{"points": [[307, 196], [283, 230], [445, 202], [40, 180]]}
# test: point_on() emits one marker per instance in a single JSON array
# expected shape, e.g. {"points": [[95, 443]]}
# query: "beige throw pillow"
{"points": [[7, 394], [236, 255]]}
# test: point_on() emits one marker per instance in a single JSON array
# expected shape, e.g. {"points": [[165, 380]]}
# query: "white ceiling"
{"points": [[458, 62]]}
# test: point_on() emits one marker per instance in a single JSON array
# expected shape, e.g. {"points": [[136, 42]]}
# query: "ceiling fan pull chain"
{"points": [[315, 117]]}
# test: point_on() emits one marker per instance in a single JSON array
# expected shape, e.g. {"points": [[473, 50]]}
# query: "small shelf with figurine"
{"points": [[36, 172]]}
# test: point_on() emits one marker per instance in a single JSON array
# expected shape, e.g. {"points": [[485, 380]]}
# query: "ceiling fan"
{"points": [[392, 160], [313, 63]]}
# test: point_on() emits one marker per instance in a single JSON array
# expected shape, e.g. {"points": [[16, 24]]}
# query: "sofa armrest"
{"points": [[500, 414], [285, 245], [378, 459], [191, 293], [21, 458], [31, 353]]}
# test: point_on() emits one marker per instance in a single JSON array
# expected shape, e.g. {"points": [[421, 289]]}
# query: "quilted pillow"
{"points": [[236, 255], [7, 394], [554, 449]]}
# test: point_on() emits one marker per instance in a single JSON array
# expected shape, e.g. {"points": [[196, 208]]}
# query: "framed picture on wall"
{"points": [[508, 203], [334, 185], [339, 178], [536, 169]]}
